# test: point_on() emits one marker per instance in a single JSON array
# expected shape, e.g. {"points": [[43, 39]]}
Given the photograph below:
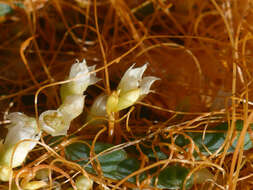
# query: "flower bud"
{"points": [[83, 183]]}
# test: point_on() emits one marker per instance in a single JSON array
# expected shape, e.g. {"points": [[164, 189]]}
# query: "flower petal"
{"points": [[79, 70], [93, 78], [131, 79], [145, 85], [21, 127], [72, 106], [82, 79]]}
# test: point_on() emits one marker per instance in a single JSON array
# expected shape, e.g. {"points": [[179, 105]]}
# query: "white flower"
{"points": [[57, 122], [132, 79], [82, 79], [131, 88], [54, 122], [21, 128]]}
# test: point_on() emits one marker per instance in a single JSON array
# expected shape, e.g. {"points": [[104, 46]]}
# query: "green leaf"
{"points": [[213, 141], [53, 141], [181, 141], [173, 177], [146, 148], [109, 161], [127, 167], [5, 9], [154, 155], [80, 153]]}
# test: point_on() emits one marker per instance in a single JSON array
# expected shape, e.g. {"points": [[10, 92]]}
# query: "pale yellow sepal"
{"points": [[128, 99], [117, 101], [112, 102]]}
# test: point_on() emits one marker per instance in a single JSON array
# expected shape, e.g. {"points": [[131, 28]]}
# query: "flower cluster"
{"points": [[57, 122], [23, 132], [132, 88]]}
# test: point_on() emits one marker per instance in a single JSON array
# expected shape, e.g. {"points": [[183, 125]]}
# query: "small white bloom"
{"points": [[21, 128], [82, 79], [57, 122], [131, 88], [132, 79], [54, 122]]}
